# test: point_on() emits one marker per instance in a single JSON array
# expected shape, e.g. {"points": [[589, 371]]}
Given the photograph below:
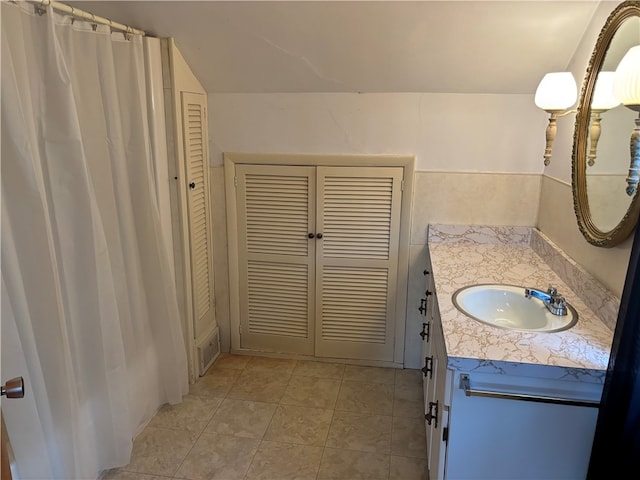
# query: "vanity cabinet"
{"points": [[485, 422], [436, 379]]}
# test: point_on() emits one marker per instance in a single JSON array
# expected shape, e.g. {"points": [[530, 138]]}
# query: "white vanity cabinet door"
{"points": [[437, 382], [426, 310], [438, 407], [514, 439]]}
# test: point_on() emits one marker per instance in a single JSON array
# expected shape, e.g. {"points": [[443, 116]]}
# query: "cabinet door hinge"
{"points": [[235, 181], [445, 434], [402, 186]]}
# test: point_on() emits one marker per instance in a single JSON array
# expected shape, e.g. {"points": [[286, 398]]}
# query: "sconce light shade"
{"points": [[626, 83], [557, 91], [603, 97]]}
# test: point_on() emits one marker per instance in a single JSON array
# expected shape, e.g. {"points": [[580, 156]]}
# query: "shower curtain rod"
{"points": [[76, 12]]}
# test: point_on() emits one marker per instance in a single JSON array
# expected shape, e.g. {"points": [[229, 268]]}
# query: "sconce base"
{"points": [[634, 165], [552, 129]]}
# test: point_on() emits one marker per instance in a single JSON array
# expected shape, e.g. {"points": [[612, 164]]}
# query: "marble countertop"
{"points": [[580, 353]]}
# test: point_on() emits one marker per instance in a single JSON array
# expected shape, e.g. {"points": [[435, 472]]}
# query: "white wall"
{"points": [[447, 132], [449, 135]]}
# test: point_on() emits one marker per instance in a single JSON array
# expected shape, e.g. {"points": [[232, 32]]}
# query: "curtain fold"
{"points": [[87, 289]]}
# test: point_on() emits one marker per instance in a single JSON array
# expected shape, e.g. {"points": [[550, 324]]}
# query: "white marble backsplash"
{"points": [[494, 235], [598, 298]]}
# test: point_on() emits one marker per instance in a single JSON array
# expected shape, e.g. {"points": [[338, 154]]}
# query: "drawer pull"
{"points": [[426, 329], [428, 366], [431, 415], [423, 306]]}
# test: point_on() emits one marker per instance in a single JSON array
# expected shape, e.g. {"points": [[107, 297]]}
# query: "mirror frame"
{"points": [[625, 227]]}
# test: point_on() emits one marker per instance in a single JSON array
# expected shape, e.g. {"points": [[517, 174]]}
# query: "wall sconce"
{"points": [[603, 100], [626, 88], [556, 92]]}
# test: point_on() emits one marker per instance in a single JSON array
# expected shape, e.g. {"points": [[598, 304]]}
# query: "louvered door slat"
{"points": [[276, 212], [357, 259], [194, 131], [270, 205]]}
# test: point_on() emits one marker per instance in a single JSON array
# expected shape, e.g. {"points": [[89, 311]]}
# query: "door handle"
{"points": [[428, 366], [14, 388], [432, 416]]}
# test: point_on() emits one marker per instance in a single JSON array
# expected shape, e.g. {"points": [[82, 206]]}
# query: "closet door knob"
{"points": [[192, 185], [14, 388], [311, 235], [319, 235]]}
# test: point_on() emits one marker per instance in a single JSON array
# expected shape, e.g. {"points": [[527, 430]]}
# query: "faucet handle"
{"points": [[552, 291]]}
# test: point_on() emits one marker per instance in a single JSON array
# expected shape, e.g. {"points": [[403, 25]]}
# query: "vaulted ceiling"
{"points": [[365, 46]]}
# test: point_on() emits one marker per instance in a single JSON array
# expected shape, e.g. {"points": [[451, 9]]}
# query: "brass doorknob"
{"points": [[14, 388]]}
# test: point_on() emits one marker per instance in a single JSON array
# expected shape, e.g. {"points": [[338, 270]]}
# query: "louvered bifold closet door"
{"points": [[356, 261], [194, 126], [276, 214]]}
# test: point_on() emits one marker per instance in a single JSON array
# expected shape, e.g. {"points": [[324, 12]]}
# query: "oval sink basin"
{"points": [[506, 306]]}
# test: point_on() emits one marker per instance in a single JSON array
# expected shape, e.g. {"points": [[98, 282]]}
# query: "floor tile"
{"points": [[408, 395], [218, 457], [320, 369], [259, 387], [408, 438], [271, 365], [299, 425], [256, 418], [241, 418], [356, 431], [311, 392], [408, 408], [159, 451], [340, 464], [408, 376], [282, 461], [233, 362], [356, 373], [119, 474], [406, 468], [366, 397], [191, 415], [216, 383]]}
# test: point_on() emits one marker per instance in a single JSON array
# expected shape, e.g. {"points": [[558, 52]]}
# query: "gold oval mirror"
{"points": [[606, 212]]}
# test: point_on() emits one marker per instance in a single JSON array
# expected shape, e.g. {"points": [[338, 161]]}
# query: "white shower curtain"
{"points": [[89, 311]]}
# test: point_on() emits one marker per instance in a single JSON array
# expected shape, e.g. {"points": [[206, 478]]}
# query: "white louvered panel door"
{"points": [[195, 141], [276, 213], [356, 261]]}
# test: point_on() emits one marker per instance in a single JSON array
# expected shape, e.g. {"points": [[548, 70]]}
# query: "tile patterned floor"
{"points": [[254, 418]]}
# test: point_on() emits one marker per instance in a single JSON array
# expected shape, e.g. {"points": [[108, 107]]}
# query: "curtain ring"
{"points": [[94, 25], [40, 9]]}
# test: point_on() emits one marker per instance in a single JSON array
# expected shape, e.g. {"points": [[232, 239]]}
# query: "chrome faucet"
{"points": [[553, 301]]}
